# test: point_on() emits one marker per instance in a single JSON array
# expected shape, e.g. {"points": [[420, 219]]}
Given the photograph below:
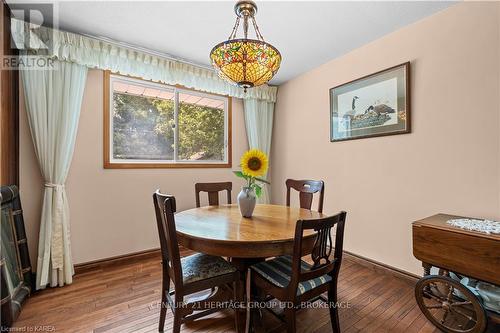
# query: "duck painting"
{"points": [[374, 105]]}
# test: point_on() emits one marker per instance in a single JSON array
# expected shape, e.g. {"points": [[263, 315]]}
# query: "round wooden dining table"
{"points": [[222, 231]]}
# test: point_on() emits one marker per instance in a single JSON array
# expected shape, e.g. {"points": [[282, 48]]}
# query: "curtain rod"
{"points": [[148, 51]]}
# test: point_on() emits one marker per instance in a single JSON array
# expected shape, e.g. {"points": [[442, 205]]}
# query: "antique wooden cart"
{"points": [[455, 255]]}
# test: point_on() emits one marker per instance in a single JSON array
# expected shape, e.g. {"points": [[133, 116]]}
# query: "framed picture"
{"points": [[374, 105]]}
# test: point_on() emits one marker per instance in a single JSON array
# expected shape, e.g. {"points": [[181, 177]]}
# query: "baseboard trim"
{"points": [[373, 264], [106, 262]]}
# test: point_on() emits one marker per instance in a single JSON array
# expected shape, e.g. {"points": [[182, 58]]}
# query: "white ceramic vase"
{"points": [[246, 201]]}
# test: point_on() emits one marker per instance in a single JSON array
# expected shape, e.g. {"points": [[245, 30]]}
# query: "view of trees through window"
{"points": [[144, 125]]}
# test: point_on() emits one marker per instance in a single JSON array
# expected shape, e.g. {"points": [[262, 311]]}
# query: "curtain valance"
{"points": [[95, 53]]}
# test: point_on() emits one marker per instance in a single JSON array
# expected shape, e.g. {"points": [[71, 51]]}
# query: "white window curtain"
{"points": [[53, 100], [259, 125]]}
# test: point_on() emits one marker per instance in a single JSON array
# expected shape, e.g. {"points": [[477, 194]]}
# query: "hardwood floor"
{"points": [[125, 298]]}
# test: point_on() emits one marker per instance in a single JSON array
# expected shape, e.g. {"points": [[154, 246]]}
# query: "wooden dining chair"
{"points": [[192, 274], [306, 189], [213, 190], [291, 279]]}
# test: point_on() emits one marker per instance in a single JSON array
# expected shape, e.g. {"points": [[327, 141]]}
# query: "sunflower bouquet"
{"points": [[254, 164]]}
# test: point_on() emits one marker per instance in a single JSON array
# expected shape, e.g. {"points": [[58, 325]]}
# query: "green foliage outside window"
{"points": [[143, 128]]}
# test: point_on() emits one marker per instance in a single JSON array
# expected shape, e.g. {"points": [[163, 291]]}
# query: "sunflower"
{"points": [[254, 163]]}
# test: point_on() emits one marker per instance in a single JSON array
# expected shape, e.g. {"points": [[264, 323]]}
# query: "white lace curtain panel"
{"points": [[259, 125], [53, 101]]}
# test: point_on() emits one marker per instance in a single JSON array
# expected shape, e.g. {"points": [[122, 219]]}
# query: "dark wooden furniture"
{"points": [[189, 275], [213, 190], [16, 276], [457, 253], [306, 189], [222, 231], [290, 279]]}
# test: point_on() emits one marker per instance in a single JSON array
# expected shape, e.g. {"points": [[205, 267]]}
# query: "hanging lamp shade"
{"points": [[242, 61]]}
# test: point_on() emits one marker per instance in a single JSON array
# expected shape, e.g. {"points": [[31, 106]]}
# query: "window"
{"points": [[152, 125]]}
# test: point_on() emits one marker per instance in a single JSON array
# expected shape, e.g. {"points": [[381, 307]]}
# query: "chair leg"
{"points": [[179, 313], [163, 312], [163, 308], [334, 313], [290, 320], [248, 288], [177, 321]]}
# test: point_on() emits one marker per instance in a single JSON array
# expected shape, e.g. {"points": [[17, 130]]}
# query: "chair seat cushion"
{"points": [[278, 271], [201, 266]]}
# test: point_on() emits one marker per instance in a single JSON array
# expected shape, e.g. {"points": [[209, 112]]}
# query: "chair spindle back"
{"points": [[322, 248]]}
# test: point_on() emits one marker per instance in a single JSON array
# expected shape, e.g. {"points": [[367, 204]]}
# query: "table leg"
{"points": [[242, 265]]}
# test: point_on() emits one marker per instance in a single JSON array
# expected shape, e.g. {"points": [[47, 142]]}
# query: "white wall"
{"points": [[450, 161]]}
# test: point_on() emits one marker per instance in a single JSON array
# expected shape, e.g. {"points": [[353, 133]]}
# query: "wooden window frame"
{"points": [[9, 113], [112, 164]]}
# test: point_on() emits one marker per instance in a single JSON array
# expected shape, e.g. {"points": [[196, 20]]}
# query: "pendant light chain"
{"points": [[246, 16], [257, 31], [235, 29]]}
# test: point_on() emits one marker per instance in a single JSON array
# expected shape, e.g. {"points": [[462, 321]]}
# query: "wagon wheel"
{"points": [[449, 305]]}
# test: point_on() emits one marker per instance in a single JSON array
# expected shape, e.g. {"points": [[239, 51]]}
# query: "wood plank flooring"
{"points": [[125, 298]]}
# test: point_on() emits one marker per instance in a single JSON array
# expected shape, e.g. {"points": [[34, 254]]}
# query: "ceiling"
{"points": [[307, 33]]}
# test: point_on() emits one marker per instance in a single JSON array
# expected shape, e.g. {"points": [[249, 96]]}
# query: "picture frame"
{"points": [[374, 105]]}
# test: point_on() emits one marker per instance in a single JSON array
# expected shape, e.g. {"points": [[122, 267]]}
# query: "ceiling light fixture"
{"points": [[246, 62]]}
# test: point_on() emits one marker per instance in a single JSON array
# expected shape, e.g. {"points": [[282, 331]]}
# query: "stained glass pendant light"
{"points": [[246, 62]]}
